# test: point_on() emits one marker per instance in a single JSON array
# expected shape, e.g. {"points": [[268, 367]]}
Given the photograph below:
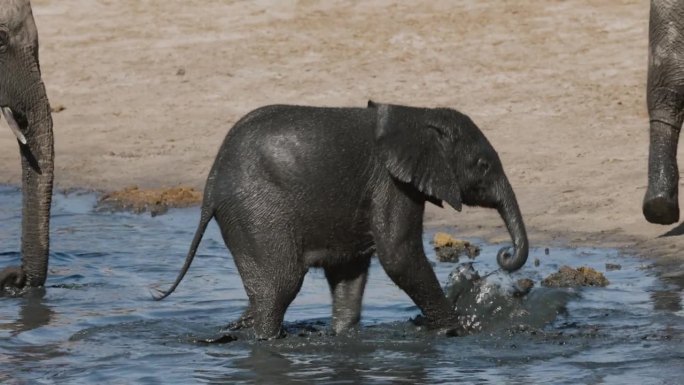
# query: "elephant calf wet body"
{"points": [[297, 187]]}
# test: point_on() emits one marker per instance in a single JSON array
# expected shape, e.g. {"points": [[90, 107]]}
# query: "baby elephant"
{"points": [[295, 187]]}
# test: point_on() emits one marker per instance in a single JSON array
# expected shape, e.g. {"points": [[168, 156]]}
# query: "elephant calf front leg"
{"points": [[397, 230], [404, 261], [407, 265], [347, 283]]}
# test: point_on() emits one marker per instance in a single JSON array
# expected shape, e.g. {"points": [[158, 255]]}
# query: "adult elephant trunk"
{"points": [[25, 106], [37, 163], [507, 206]]}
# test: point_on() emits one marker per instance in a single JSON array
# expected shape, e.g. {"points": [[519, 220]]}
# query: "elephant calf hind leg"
{"points": [[272, 295], [347, 283]]}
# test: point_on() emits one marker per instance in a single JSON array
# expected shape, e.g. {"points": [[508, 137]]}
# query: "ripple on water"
{"points": [[96, 323]]}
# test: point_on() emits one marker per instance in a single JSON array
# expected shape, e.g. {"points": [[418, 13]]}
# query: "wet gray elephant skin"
{"points": [[665, 95], [296, 187], [25, 106]]}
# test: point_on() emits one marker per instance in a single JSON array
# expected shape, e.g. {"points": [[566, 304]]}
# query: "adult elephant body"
{"points": [[297, 187], [666, 109], [24, 104]]}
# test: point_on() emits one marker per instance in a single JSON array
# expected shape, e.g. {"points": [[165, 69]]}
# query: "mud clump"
{"points": [[522, 287], [450, 249], [154, 201], [57, 108], [569, 277]]}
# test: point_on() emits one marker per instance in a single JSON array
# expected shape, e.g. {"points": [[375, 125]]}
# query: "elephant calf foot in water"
{"points": [[297, 187]]}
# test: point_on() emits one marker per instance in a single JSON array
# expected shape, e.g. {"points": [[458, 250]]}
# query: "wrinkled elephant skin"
{"points": [[665, 95], [24, 104]]}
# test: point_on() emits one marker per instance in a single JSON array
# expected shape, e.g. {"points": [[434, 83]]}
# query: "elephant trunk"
{"points": [[661, 200], [507, 206], [37, 162]]}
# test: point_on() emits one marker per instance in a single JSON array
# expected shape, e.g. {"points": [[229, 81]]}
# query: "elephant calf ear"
{"points": [[415, 152]]}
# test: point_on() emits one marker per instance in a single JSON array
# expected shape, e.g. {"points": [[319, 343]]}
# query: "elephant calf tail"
{"points": [[206, 216]]}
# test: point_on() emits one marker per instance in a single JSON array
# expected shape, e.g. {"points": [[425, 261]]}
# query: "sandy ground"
{"points": [[151, 88]]}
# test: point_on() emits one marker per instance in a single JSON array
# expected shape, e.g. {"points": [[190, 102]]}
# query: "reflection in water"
{"points": [[278, 370], [671, 299], [666, 300], [355, 358], [33, 313]]}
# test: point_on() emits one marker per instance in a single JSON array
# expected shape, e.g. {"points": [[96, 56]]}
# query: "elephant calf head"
{"points": [[25, 106], [446, 156]]}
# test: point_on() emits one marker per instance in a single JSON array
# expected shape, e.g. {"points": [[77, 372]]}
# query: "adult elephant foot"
{"points": [[12, 278], [661, 203], [661, 208]]}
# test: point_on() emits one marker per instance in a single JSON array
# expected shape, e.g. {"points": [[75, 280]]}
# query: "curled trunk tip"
{"points": [[512, 258]]}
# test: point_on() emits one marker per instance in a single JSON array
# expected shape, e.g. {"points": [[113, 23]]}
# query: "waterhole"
{"points": [[96, 323]]}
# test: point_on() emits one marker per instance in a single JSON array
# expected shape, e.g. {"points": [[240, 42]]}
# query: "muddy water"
{"points": [[95, 322]]}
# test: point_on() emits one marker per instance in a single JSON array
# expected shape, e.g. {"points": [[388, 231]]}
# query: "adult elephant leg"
{"points": [[665, 97], [661, 203], [347, 283]]}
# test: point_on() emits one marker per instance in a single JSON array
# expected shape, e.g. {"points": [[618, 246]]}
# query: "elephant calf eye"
{"points": [[483, 165]]}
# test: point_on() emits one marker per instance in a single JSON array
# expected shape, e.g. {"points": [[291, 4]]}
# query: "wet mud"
{"points": [[154, 201], [574, 277], [449, 249]]}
